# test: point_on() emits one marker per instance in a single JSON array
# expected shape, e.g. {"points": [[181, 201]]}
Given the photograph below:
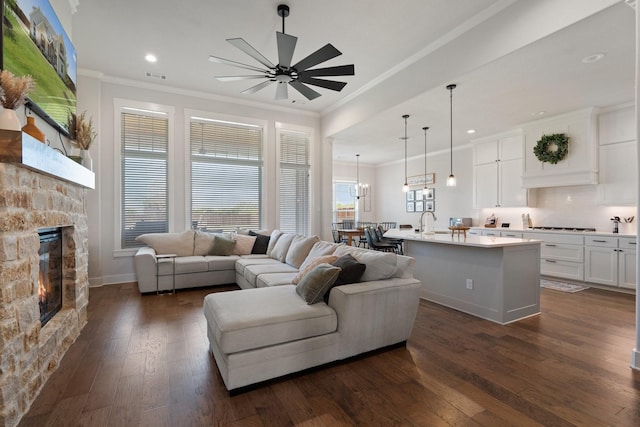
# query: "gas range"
{"points": [[575, 229]]}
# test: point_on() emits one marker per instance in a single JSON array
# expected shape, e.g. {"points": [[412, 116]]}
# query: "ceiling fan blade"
{"points": [[286, 46], [327, 84], [307, 92], [236, 64], [236, 78], [254, 89], [251, 51], [340, 70], [281, 91], [325, 53]]}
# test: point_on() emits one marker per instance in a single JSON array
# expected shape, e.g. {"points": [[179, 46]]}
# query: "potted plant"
{"points": [[13, 93], [82, 134]]}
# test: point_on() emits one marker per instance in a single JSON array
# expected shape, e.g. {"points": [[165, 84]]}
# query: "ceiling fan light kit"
{"points": [[298, 75]]}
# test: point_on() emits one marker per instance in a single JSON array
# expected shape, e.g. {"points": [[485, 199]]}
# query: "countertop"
{"points": [[460, 240], [579, 233]]}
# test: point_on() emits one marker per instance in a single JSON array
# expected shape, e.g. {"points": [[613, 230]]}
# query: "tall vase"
{"points": [[9, 120], [87, 161]]}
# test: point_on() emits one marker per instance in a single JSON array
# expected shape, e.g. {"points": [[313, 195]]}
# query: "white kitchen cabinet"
{"points": [[561, 255], [580, 165], [498, 172], [610, 261], [618, 174], [515, 234]]}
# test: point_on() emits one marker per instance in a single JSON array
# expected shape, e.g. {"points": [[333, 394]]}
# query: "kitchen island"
{"points": [[495, 278]]}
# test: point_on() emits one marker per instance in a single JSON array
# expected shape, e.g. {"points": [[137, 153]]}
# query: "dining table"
{"points": [[350, 233]]}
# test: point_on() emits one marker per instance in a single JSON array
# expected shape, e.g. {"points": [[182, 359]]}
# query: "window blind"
{"points": [[295, 198], [226, 175], [344, 206], [144, 170]]}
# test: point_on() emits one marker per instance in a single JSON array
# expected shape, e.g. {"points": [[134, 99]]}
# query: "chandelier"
{"points": [[360, 190]]}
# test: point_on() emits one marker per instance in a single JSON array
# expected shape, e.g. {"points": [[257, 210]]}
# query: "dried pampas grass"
{"points": [[14, 90], [81, 130]]}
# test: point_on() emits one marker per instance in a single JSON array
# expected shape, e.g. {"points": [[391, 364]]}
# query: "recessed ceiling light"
{"points": [[150, 57], [592, 58], [471, 131]]}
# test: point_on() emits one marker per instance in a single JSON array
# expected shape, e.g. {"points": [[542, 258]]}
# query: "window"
{"points": [[295, 167], [226, 174], [144, 148], [344, 205]]}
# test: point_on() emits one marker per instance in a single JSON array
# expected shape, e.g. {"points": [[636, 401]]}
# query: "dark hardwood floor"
{"points": [[143, 361]]}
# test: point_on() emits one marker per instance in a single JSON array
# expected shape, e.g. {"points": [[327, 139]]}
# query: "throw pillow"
{"points": [[244, 244], [320, 248], [261, 244], [180, 244], [380, 265], [352, 270], [202, 243], [273, 239], [326, 259], [222, 246], [299, 249], [314, 285], [281, 247]]}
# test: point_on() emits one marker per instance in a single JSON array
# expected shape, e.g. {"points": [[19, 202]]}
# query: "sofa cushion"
{"points": [[245, 261], [299, 249], [221, 263], [254, 318], [244, 244], [273, 239], [320, 248], [326, 259], [180, 244], [251, 272], [274, 279], [261, 244], [222, 246], [352, 270], [380, 265], [202, 242], [281, 247], [314, 285], [191, 264]]}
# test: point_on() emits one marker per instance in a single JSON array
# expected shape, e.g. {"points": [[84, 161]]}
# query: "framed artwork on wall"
{"points": [[431, 194], [411, 207], [411, 196], [430, 205], [418, 195], [419, 205]]}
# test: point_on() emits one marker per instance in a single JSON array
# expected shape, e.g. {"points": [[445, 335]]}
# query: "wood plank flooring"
{"points": [[143, 361]]}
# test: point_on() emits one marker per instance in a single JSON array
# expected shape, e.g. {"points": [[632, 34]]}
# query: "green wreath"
{"points": [[552, 148]]}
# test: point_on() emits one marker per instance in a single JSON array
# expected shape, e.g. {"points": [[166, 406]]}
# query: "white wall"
{"points": [[96, 95]]}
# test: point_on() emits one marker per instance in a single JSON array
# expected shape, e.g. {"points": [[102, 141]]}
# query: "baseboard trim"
{"points": [[635, 359]]}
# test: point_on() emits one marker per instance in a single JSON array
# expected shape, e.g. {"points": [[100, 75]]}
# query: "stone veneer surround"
{"points": [[29, 353]]}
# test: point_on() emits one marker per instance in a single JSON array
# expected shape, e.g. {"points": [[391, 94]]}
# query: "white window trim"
{"points": [[279, 126], [151, 109], [188, 114]]}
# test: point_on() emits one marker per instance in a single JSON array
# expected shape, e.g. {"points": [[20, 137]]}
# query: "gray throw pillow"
{"points": [[222, 246], [314, 285]]}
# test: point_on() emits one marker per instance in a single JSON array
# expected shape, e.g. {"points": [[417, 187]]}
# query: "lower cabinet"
{"points": [[561, 255], [610, 261]]}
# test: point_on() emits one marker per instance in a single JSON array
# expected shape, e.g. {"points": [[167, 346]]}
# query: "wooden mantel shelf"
{"points": [[23, 149]]}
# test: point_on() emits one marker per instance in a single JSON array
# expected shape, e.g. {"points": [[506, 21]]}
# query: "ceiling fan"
{"points": [[298, 75]]}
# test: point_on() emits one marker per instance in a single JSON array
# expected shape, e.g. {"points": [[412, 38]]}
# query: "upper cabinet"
{"points": [[618, 158], [579, 166], [497, 171]]}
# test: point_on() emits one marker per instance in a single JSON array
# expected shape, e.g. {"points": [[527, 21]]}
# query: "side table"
{"points": [[161, 258]]}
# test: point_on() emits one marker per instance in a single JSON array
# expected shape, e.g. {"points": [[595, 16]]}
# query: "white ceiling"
{"points": [[113, 36]]}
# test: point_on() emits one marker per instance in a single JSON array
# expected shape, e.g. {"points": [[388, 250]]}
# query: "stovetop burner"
{"points": [[576, 229]]}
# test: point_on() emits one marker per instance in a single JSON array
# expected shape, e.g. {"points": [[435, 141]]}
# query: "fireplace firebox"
{"points": [[50, 277]]}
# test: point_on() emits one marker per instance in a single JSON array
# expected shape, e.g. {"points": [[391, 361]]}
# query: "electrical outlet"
{"points": [[469, 283]]}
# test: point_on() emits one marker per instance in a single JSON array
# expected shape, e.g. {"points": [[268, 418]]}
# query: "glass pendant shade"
{"points": [[405, 187], [451, 180]]}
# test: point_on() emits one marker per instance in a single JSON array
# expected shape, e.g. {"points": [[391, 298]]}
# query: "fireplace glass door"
{"points": [[50, 277]]}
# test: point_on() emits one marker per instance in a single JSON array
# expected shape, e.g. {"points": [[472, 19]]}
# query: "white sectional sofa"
{"points": [[267, 330]]}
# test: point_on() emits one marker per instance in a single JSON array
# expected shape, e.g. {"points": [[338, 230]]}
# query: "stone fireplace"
{"points": [[30, 352]]}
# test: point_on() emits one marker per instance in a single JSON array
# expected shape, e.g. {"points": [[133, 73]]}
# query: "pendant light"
{"points": [[405, 187], [424, 190], [361, 190], [451, 180]]}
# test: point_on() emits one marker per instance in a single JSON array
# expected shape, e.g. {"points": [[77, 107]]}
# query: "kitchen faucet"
{"points": [[422, 216]]}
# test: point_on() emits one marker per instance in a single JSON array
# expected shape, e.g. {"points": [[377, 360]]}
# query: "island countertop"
{"points": [[460, 240]]}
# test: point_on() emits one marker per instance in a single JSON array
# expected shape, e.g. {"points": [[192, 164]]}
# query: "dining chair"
{"points": [[383, 247]]}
